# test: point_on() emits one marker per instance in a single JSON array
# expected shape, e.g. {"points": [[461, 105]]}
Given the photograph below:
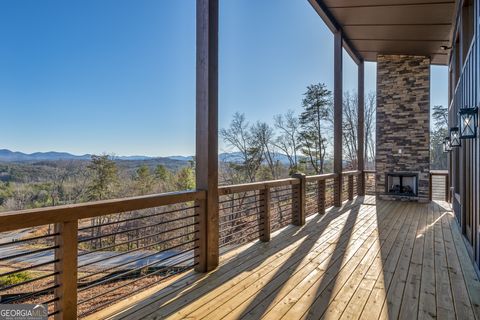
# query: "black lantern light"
{"points": [[468, 123], [447, 146], [455, 137]]}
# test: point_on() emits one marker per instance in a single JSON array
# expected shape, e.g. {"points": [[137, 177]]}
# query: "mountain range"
{"points": [[16, 156]]}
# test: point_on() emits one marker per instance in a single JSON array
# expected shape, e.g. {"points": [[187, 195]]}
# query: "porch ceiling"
{"points": [[371, 27]]}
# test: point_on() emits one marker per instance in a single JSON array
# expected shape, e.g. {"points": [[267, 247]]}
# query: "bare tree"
{"points": [[288, 139], [370, 122], [263, 137], [239, 136], [350, 127]]}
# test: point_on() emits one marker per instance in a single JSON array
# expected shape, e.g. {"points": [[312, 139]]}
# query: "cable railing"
{"points": [[252, 211], [80, 259]]}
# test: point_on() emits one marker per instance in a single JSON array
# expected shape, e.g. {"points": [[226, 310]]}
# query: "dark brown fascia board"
{"points": [[393, 5], [394, 24], [335, 27], [400, 40]]}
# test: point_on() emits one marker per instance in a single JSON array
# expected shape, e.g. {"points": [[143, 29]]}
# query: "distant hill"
{"points": [[16, 156], [181, 158]]}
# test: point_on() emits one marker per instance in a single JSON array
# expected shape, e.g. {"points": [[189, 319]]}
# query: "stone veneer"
{"points": [[403, 120]]}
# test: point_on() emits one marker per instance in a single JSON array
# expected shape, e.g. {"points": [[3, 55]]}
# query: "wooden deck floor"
{"points": [[389, 260]]}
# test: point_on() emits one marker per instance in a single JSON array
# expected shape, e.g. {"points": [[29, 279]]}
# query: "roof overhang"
{"points": [[410, 27]]}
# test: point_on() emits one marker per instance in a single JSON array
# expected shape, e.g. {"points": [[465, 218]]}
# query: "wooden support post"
{"points": [[66, 279], [265, 200], [430, 191], [350, 187], [361, 130], [299, 190], [338, 117], [321, 186], [447, 189], [207, 127]]}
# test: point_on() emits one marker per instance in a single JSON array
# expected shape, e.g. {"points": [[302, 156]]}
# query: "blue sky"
{"points": [[118, 76]]}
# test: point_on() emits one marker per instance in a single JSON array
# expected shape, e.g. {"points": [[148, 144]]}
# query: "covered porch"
{"points": [[302, 247], [370, 259]]}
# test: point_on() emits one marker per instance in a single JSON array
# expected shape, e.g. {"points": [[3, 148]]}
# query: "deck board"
{"points": [[368, 260]]}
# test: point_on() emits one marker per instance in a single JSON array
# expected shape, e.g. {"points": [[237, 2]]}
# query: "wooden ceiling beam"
{"points": [[335, 27]]}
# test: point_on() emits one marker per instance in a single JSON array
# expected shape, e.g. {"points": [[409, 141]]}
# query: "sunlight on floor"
{"points": [[438, 220]]}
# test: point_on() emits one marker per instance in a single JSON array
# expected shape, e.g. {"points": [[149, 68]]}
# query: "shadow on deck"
{"points": [[366, 260]]}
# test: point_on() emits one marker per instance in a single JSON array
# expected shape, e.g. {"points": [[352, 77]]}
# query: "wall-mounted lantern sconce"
{"points": [[468, 123], [447, 146], [455, 137]]}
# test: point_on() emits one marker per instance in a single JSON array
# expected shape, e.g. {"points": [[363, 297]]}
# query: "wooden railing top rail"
{"points": [[439, 172], [369, 171], [320, 177], [351, 173], [225, 190], [15, 220]]}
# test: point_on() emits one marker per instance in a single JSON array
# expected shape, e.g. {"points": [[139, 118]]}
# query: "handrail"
{"points": [[439, 172], [225, 190], [351, 173], [369, 171], [320, 177], [15, 220]]}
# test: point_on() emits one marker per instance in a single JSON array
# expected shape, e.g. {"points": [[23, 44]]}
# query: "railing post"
{"points": [[337, 190], [201, 235], [66, 267], [299, 212], [350, 187], [431, 186], [321, 186], [447, 189], [265, 200]]}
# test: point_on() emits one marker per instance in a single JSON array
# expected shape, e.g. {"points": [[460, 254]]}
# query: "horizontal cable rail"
{"points": [[79, 259], [27, 266], [240, 216]]}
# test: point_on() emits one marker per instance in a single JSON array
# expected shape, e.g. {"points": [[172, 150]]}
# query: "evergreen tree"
{"points": [[144, 180], [316, 104], [104, 177], [185, 179], [161, 172]]}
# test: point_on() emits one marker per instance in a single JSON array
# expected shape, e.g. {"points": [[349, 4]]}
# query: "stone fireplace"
{"points": [[403, 127]]}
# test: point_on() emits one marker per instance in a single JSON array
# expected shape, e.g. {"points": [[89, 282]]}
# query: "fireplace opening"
{"points": [[402, 184]]}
